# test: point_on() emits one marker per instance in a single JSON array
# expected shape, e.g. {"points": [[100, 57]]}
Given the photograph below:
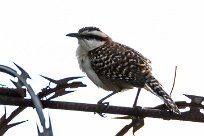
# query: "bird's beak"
{"points": [[73, 35]]}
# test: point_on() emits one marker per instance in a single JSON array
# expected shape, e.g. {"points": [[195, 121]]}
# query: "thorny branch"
{"points": [[59, 90], [22, 81], [16, 97], [160, 111], [137, 111]]}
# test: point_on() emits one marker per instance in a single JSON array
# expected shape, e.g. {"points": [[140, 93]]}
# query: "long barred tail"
{"points": [[156, 88]]}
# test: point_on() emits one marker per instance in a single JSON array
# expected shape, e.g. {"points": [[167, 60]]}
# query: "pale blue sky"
{"points": [[169, 33]]}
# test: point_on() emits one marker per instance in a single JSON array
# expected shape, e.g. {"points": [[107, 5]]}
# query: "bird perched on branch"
{"points": [[116, 67]]}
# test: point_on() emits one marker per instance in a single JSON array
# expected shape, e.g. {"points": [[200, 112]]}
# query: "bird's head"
{"points": [[90, 37]]}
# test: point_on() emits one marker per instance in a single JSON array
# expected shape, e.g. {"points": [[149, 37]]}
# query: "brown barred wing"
{"points": [[117, 62]]}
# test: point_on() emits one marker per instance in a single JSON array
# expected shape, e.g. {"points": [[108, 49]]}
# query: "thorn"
{"points": [[49, 79], [61, 81], [46, 131], [50, 124], [4, 116], [23, 72], [38, 129], [2, 85], [195, 99], [17, 123], [18, 84]]}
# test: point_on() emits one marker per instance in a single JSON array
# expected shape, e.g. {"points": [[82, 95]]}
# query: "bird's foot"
{"points": [[103, 106]]}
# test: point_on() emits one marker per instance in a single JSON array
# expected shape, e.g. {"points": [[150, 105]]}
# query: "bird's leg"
{"points": [[101, 101], [137, 96], [106, 104]]}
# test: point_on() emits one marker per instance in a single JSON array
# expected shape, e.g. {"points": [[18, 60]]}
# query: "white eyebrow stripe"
{"points": [[98, 33]]}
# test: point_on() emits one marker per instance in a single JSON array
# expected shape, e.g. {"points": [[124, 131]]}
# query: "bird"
{"points": [[115, 67]]}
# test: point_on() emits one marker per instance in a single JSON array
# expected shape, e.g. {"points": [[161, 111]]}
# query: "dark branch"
{"points": [[14, 92], [137, 111]]}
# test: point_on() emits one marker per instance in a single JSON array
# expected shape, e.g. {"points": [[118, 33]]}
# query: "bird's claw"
{"points": [[102, 106]]}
